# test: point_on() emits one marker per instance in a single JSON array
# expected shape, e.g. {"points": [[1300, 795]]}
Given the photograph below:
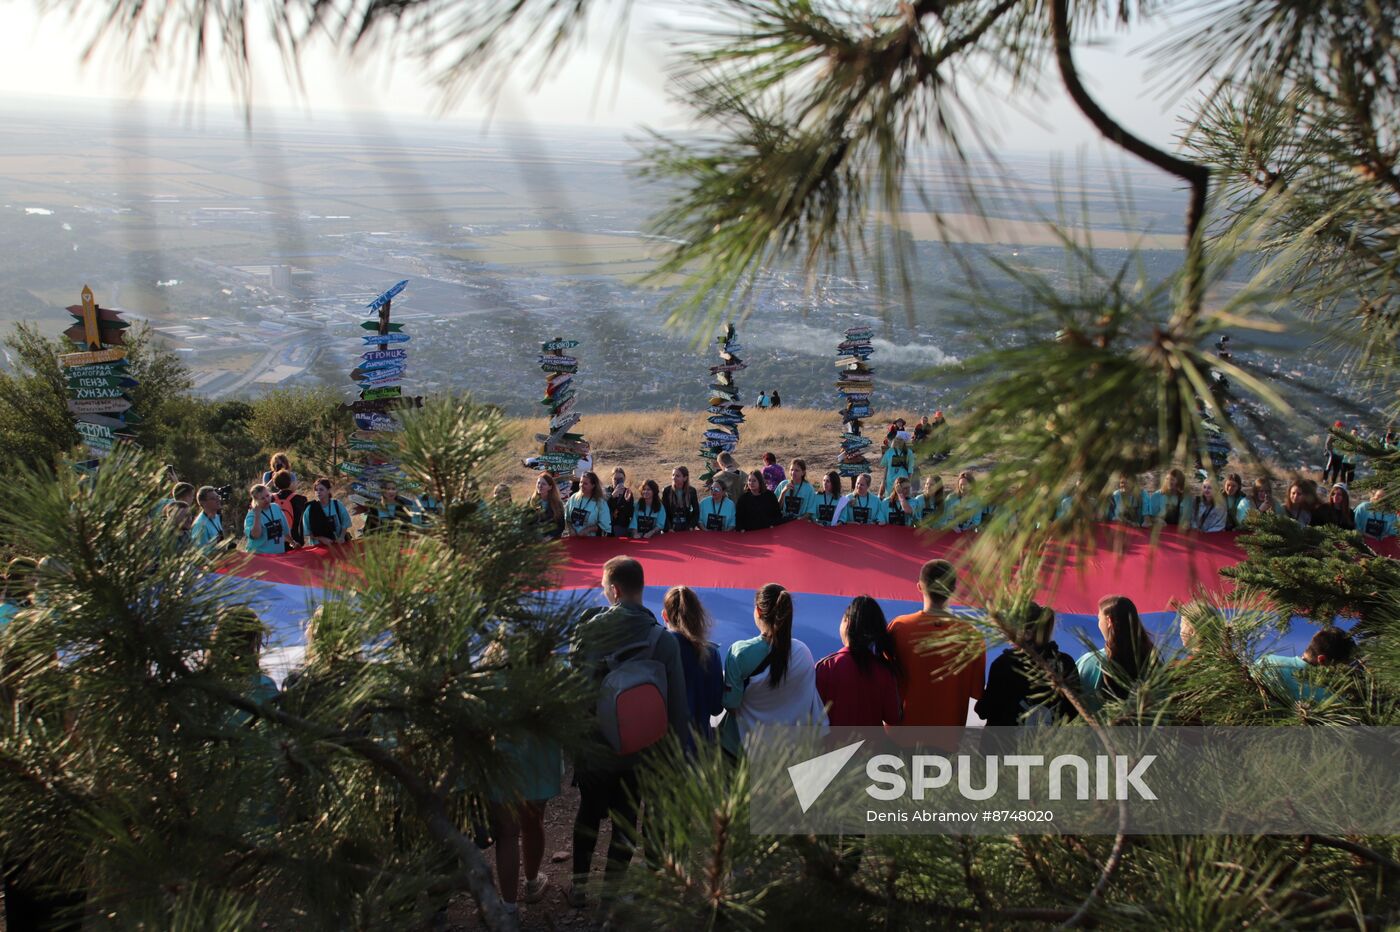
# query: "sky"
{"points": [[40, 62]]}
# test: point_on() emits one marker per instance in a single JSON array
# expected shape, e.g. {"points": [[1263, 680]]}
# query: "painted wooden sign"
{"points": [[563, 422], [374, 356], [559, 366], [98, 369], [101, 381], [374, 365], [376, 394], [91, 358], [78, 334], [375, 325], [373, 339], [117, 423], [387, 296], [99, 432], [552, 345], [566, 460], [87, 394], [99, 405], [376, 421]]}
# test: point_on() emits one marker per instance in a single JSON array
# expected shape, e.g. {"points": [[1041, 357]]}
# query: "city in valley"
{"points": [[252, 252]]}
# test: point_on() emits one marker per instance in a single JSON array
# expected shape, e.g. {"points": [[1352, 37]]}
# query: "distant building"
{"points": [[280, 277]]}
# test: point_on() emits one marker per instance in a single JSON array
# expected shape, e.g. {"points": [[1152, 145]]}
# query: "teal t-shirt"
{"points": [[644, 522], [274, 537], [581, 513], [206, 532], [800, 499], [1373, 522], [824, 509], [1286, 669], [8, 610], [863, 509], [966, 511], [744, 657], [716, 517]]}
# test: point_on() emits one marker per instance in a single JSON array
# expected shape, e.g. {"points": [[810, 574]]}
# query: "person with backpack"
{"points": [[325, 520], [687, 619], [681, 502], [284, 493], [264, 525], [859, 684], [770, 679], [774, 399], [635, 663]]}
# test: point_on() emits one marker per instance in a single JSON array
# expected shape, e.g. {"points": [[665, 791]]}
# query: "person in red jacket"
{"points": [[859, 684]]}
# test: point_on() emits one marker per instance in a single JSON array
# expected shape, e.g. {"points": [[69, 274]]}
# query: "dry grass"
{"points": [[649, 444]]}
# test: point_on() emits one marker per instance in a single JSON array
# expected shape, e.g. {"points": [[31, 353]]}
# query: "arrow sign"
{"points": [[99, 405], [377, 394], [92, 358], [376, 421], [374, 325], [106, 317], [370, 365], [88, 394], [99, 432], [563, 423], [116, 423], [567, 460], [102, 381], [558, 345], [385, 372], [108, 334], [387, 296], [373, 339], [374, 356], [101, 369], [371, 384], [364, 446], [99, 445], [569, 367]]}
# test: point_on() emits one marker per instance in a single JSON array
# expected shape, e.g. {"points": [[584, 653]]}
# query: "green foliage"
{"points": [[306, 423], [141, 769], [1318, 572]]}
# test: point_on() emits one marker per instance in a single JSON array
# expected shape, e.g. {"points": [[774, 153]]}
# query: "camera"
{"points": [[225, 492]]}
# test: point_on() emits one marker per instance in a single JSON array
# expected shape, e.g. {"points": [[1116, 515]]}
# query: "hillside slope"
{"points": [[649, 444]]}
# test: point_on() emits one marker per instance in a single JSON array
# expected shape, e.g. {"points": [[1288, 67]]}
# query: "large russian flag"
{"points": [[824, 568]]}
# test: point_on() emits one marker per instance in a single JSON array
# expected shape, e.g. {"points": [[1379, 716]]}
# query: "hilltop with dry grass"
{"points": [[649, 444]]}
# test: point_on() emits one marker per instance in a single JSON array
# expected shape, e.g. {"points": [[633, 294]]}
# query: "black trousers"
{"points": [[604, 795]]}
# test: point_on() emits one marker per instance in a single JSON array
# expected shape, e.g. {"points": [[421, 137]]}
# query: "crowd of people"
{"points": [[912, 670], [281, 518]]}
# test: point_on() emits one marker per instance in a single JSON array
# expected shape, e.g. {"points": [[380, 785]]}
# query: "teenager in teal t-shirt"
{"points": [[649, 515], [586, 513], [824, 505], [898, 462], [716, 511], [863, 506], [207, 531], [1373, 519], [796, 497], [264, 525]]}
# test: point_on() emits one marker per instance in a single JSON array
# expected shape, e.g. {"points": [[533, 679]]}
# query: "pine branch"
{"points": [[1197, 176]]}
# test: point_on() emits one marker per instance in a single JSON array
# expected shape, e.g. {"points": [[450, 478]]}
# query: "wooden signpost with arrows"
{"points": [[725, 410], [561, 447], [379, 377], [98, 378], [855, 384]]}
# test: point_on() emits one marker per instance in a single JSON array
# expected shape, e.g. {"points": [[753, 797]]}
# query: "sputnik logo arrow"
{"points": [[811, 777]]}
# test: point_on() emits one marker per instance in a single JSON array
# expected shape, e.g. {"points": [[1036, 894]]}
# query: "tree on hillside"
{"points": [[813, 115], [146, 775], [308, 424]]}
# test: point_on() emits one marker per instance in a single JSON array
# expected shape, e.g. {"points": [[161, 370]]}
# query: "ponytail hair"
{"points": [[863, 628], [687, 618], [1128, 644], [774, 606]]}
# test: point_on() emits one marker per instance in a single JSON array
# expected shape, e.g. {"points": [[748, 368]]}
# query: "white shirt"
{"points": [[795, 700]]}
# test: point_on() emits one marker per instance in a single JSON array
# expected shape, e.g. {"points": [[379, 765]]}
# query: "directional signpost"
{"points": [[98, 378], [855, 385], [726, 412], [378, 377], [560, 450]]}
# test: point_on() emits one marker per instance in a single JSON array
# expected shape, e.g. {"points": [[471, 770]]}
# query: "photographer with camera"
{"points": [[264, 526], [207, 531]]}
